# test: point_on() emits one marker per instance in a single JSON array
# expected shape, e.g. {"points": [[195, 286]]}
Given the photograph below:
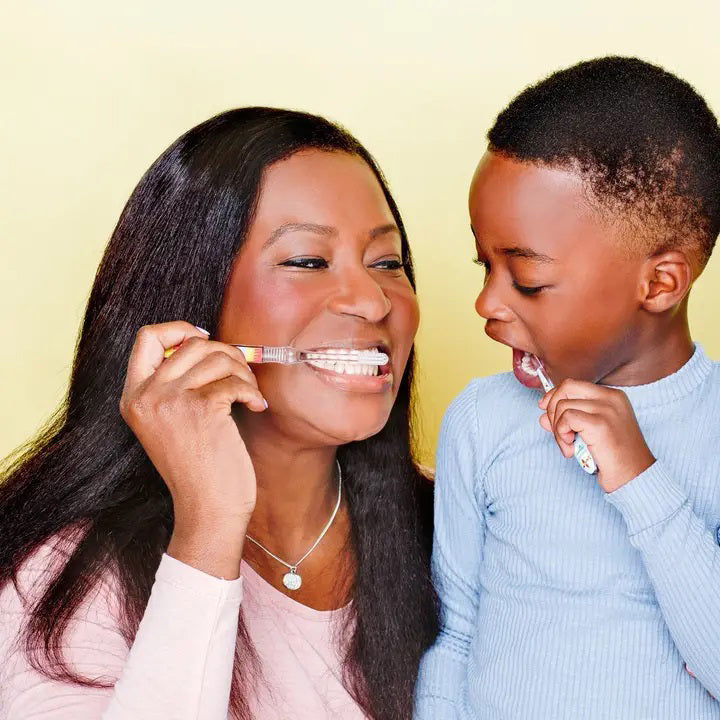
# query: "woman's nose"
{"points": [[360, 295]]}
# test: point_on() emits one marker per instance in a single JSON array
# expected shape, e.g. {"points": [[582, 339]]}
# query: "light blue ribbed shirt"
{"points": [[560, 601]]}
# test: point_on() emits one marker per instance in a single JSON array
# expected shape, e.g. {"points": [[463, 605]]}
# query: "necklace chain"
{"points": [[294, 567]]}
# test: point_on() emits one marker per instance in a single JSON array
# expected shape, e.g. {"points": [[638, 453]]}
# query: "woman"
{"points": [[264, 227]]}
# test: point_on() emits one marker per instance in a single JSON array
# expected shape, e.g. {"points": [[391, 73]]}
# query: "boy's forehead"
{"points": [[521, 182], [513, 200]]}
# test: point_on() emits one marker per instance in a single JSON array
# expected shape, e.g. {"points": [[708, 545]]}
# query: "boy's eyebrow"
{"points": [[525, 252]]}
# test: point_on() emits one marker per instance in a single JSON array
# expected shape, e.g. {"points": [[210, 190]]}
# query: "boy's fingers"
{"points": [[573, 421], [545, 399], [578, 389], [150, 345], [578, 393], [594, 407], [564, 443]]}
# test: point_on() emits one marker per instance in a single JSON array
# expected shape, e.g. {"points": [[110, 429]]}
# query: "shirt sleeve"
{"points": [[682, 558], [456, 560], [179, 666]]}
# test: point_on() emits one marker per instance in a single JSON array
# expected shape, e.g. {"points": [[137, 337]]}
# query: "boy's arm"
{"points": [[682, 558], [457, 556], [680, 553]]}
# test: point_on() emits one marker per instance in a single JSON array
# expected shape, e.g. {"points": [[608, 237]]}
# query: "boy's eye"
{"points": [[484, 264], [306, 263], [528, 291]]}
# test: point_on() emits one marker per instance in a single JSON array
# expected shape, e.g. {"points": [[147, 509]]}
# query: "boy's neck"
{"points": [[657, 355]]}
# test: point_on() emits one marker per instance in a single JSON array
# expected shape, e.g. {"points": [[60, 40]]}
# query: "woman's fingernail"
{"points": [[266, 403], [203, 330]]}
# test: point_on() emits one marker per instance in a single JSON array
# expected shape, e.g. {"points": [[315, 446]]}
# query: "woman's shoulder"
{"points": [[38, 569], [20, 595]]}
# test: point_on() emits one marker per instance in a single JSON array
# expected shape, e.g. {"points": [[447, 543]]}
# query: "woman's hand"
{"points": [[180, 410]]}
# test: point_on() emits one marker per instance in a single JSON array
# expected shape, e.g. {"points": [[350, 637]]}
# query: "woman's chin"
{"points": [[342, 425], [344, 433]]}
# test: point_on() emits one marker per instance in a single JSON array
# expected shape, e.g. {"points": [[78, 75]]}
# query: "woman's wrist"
{"points": [[213, 546]]}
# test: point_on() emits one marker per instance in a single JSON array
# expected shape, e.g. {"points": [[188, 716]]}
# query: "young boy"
{"points": [[564, 594]]}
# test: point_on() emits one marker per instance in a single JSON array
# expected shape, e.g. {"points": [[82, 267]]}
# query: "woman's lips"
{"points": [[355, 383], [354, 376], [525, 378]]}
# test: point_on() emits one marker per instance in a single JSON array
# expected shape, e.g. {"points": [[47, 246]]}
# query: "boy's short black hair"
{"points": [[645, 142]]}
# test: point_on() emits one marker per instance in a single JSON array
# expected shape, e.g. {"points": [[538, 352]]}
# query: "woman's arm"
{"points": [[179, 666]]}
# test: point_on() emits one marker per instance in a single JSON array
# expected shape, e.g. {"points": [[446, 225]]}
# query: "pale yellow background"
{"points": [[94, 90]]}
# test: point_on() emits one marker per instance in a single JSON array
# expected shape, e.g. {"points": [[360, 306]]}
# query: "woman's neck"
{"points": [[297, 491]]}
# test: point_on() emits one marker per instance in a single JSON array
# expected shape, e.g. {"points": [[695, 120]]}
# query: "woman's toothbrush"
{"points": [[582, 454], [289, 356]]}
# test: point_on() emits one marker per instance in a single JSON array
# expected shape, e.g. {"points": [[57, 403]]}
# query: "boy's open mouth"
{"points": [[522, 367]]}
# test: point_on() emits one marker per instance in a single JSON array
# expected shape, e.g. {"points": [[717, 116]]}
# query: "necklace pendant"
{"points": [[291, 580]]}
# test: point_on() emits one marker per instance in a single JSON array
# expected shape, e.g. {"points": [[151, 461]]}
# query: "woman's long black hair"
{"points": [[170, 258]]}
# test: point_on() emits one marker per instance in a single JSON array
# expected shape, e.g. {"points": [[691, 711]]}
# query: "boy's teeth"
{"points": [[526, 364]]}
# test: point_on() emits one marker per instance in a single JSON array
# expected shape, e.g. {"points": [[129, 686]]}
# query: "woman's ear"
{"points": [[666, 280]]}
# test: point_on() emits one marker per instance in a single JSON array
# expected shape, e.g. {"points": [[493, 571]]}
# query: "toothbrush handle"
{"points": [[584, 457], [259, 354]]}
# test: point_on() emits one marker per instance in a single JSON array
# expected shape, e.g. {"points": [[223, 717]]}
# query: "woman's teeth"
{"points": [[345, 368]]}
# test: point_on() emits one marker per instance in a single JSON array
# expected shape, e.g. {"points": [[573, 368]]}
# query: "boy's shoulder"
{"points": [[494, 402]]}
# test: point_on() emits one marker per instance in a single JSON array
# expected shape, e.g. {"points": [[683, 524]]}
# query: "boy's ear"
{"points": [[666, 280]]}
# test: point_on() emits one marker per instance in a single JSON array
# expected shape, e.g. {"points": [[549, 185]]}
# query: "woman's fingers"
{"points": [[151, 342], [215, 366], [194, 351], [229, 390]]}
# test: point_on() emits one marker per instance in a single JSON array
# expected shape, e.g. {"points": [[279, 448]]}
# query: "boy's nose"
{"points": [[490, 306], [360, 296]]}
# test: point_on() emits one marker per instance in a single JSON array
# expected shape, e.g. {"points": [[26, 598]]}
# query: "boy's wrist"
{"points": [[650, 499], [626, 474]]}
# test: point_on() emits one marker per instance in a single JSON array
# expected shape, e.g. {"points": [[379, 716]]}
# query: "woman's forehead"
{"points": [[321, 187]]}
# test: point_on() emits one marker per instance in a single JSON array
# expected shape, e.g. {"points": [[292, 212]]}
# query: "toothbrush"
{"points": [[580, 449], [289, 356]]}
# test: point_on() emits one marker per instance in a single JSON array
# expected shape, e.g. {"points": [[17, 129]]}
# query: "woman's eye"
{"points": [[389, 265], [306, 263], [528, 291]]}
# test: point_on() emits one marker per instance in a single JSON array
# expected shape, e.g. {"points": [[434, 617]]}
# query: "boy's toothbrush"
{"points": [[289, 356], [581, 451]]}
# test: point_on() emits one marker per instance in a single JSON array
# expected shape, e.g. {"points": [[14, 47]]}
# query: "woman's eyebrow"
{"points": [[384, 230], [324, 230]]}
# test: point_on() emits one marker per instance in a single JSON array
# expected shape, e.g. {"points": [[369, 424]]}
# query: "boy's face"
{"points": [[558, 281]]}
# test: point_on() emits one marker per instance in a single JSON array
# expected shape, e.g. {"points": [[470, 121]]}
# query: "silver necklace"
{"points": [[291, 580]]}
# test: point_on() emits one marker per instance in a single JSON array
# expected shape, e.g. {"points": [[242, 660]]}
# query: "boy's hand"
{"points": [[606, 421]]}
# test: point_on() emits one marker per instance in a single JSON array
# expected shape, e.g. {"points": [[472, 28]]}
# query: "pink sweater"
{"points": [[180, 664]]}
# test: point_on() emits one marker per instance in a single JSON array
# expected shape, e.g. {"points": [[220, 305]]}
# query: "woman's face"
{"points": [[322, 268]]}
